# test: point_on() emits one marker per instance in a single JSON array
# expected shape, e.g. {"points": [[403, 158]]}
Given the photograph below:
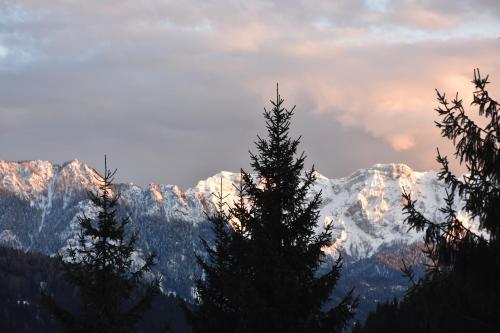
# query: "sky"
{"points": [[173, 91]]}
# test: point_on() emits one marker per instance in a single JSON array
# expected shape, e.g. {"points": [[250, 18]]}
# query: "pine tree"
{"points": [[215, 312], [477, 148], [460, 291], [113, 296], [264, 272]]}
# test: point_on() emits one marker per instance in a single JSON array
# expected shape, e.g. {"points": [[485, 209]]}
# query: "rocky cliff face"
{"points": [[40, 203]]}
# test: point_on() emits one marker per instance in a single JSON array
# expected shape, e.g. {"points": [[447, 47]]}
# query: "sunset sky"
{"points": [[173, 91]]}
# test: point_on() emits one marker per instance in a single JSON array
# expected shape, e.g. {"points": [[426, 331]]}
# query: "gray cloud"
{"points": [[174, 91]]}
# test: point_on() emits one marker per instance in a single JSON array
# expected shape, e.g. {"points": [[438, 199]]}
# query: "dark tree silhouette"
{"points": [[460, 291], [214, 312], [113, 295], [263, 274]]}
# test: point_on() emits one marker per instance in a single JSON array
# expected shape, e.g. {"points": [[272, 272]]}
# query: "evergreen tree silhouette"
{"points": [[215, 312], [263, 275], [460, 291], [112, 294]]}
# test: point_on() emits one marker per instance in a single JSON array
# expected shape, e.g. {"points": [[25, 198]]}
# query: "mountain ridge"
{"points": [[40, 203], [41, 181]]}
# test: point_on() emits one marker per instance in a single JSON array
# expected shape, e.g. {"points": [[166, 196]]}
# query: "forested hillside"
{"points": [[23, 274]]}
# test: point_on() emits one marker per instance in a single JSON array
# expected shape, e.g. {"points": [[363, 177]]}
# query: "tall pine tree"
{"points": [[113, 296], [263, 274]]}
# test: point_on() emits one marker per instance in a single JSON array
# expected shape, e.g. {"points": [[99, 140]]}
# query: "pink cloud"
{"points": [[402, 142], [388, 90]]}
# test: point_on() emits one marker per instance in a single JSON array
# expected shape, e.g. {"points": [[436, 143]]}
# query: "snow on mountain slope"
{"points": [[40, 203], [365, 207]]}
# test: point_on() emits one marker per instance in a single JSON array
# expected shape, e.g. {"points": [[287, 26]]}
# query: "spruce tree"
{"points": [[477, 148], [214, 311], [460, 291], [113, 296], [267, 266]]}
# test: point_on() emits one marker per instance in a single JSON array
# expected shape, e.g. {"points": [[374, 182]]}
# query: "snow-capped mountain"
{"points": [[40, 203]]}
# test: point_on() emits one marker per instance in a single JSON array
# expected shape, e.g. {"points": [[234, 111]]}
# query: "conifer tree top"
{"points": [[262, 276], [112, 295]]}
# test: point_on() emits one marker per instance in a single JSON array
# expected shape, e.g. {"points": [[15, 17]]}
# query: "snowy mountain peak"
{"points": [[392, 170], [365, 206], [33, 180], [40, 203], [27, 177]]}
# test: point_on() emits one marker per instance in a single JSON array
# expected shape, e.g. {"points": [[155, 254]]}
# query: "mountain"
{"points": [[40, 203]]}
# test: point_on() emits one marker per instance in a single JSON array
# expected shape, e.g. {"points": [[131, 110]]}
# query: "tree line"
{"points": [[261, 269]]}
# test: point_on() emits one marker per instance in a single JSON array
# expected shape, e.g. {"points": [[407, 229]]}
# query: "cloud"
{"points": [[175, 90], [402, 142]]}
